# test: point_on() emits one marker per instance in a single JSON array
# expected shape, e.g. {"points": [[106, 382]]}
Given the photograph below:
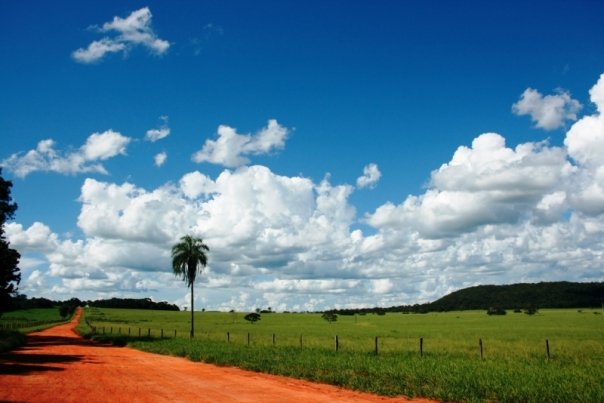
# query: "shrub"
{"points": [[252, 317], [330, 316], [495, 310]]}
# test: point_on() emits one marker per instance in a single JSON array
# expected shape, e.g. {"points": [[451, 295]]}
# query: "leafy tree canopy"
{"points": [[330, 316], [252, 317], [10, 275]]}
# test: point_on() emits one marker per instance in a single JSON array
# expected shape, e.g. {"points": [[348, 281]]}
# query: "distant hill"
{"points": [[560, 294]]}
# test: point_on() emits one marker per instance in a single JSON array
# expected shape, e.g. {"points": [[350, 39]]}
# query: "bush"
{"points": [[252, 317], [495, 310], [330, 316]]}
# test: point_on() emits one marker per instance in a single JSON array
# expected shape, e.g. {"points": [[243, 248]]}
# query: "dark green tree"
{"points": [[330, 316], [188, 258], [252, 317], [10, 275], [65, 310]]}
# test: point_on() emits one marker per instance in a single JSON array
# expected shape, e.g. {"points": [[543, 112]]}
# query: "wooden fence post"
{"points": [[248, 339], [421, 346], [301, 341], [174, 333], [139, 332], [162, 334], [376, 345], [128, 331], [337, 343], [111, 330], [273, 339], [228, 338], [547, 348], [148, 332], [480, 345]]}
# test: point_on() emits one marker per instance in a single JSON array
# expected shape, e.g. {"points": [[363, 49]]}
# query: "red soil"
{"points": [[58, 365]]}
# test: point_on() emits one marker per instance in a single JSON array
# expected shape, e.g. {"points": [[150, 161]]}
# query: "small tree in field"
{"points": [[330, 316], [252, 317]]}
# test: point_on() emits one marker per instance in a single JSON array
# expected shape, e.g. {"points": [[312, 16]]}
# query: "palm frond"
{"points": [[189, 257]]}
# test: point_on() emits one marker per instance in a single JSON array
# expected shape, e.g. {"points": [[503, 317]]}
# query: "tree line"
{"points": [[22, 302]]}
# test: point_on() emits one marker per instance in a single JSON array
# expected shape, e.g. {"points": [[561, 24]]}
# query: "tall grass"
{"points": [[514, 368]]}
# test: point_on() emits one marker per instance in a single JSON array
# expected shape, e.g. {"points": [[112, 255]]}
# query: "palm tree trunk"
{"points": [[192, 314]]}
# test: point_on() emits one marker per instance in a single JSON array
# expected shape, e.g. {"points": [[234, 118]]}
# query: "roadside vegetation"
{"points": [[15, 324], [30, 320], [514, 366]]}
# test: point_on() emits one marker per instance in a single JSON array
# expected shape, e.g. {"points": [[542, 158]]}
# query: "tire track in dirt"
{"points": [[58, 365]]}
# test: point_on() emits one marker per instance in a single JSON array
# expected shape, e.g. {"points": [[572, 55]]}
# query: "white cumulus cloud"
{"points": [[371, 176], [160, 159], [488, 183], [157, 134], [97, 50], [98, 147], [163, 131], [231, 148], [101, 146], [585, 144], [548, 112], [195, 183], [493, 213], [134, 30]]}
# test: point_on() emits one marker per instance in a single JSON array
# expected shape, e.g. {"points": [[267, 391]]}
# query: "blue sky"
{"points": [[330, 153]]}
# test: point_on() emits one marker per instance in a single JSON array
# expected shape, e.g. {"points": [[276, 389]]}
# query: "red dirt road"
{"points": [[59, 366]]}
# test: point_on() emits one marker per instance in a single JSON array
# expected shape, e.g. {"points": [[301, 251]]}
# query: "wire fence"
{"points": [[248, 339], [9, 324]]}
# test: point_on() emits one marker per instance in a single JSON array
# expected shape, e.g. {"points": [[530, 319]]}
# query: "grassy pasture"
{"points": [[29, 320], [13, 324], [514, 367], [37, 314]]}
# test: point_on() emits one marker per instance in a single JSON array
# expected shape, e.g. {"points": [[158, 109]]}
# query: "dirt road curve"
{"points": [[57, 365]]}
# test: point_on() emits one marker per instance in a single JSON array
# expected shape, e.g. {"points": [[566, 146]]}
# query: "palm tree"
{"points": [[188, 257]]}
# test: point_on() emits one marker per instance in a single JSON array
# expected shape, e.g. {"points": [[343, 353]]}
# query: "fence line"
{"points": [[22, 324], [336, 340]]}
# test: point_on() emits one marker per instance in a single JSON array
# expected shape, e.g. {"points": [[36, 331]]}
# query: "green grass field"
{"points": [[514, 367], [14, 324], [28, 320]]}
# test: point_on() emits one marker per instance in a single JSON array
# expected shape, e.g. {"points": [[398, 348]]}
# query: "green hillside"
{"points": [[560, 294], [519, 296]]}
